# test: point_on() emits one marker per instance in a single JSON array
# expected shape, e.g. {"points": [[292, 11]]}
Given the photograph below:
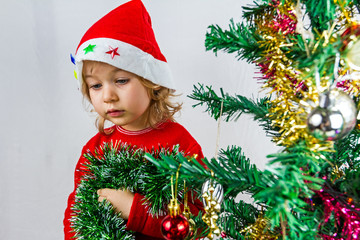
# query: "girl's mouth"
{"points": [[115, 113]]}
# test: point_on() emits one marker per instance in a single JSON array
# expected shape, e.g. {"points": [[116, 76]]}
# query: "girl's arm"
{"points": [[80, 170]]}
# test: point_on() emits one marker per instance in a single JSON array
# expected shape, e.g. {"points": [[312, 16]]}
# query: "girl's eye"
{"points": [[95, 86], [122, 81]]}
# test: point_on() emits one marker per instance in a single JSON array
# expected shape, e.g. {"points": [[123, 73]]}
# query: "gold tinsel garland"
{"points": [[260, 230]]}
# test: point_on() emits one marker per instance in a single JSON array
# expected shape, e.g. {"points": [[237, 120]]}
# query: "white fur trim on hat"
{"points": [[130, 58]]}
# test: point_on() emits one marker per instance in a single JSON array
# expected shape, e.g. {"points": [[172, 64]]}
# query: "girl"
{"points": [[126, 78]]}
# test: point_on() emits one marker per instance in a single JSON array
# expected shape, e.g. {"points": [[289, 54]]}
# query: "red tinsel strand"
{"points": [[284, 23], [350, 217], [344, 85]]}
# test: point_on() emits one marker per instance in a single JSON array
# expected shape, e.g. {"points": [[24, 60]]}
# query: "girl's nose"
{"points": [[109, 94]]}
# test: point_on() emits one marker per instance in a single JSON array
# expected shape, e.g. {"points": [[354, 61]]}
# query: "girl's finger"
{"points": [[100, 199]]}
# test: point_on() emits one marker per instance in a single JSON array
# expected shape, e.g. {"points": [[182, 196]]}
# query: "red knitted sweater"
{"points": [[167, 134]]}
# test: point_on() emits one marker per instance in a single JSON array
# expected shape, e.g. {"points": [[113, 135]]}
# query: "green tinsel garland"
{"points": [[118, 167]]}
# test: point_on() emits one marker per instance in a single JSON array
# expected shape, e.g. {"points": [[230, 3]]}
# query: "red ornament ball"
{"points": [[175, 227]]}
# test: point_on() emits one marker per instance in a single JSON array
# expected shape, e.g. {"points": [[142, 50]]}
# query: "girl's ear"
{"points": [[157, 87]]}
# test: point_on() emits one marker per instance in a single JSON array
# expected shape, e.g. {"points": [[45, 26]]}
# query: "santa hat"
{"points": [[125, 39]]}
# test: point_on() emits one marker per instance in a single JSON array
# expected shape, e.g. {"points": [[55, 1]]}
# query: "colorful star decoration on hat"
{"points": [[72, 59], [113, 52], [89, 48]]}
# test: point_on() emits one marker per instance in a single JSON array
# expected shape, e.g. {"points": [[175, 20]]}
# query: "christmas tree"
{"points": [[308, 54]]}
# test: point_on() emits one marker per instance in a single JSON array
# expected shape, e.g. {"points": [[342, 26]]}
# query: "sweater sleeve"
{"points": [[69, 213], [142, 222]]}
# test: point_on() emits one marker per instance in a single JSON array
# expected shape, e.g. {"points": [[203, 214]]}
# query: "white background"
{"points": [[44, 123]]}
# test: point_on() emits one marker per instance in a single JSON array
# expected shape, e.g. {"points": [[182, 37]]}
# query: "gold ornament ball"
{"points": [[353, 56], [351, 45]]}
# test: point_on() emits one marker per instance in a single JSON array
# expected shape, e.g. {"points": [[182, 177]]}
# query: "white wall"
{"points": [[44, 124]]}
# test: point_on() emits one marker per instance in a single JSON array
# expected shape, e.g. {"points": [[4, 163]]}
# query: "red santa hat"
{"points": [[125, 39]]}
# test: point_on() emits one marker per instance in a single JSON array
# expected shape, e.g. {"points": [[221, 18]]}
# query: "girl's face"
{"points": [[117, 95]]}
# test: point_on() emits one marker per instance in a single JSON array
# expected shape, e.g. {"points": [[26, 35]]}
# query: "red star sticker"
{"points": [[113, 52]]}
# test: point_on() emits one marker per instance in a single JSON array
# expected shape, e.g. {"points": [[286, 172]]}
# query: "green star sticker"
{"points": [[89, 48]]}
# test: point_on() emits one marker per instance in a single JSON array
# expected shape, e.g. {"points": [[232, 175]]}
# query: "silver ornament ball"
{"points": [[325, 124], [334, 118]]}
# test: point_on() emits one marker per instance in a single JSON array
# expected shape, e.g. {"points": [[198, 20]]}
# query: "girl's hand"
{"points": [[120, 199]]}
